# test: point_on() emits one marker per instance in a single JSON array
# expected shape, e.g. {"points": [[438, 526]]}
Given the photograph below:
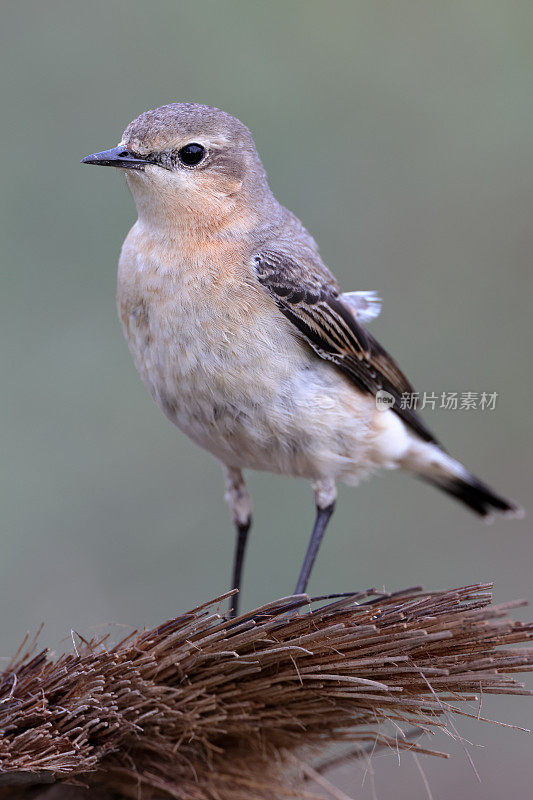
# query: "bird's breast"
{"points": [[208, 342]]}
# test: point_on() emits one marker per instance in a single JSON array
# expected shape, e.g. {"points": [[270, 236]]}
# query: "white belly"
{"points": [[245, 388]]}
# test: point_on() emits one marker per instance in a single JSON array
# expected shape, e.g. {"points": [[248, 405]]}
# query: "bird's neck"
{"points": [[200, 217], [179, 223]]}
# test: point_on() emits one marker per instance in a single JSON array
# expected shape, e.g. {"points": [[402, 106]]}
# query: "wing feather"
{"points": [[309, 297], [365, 305]]}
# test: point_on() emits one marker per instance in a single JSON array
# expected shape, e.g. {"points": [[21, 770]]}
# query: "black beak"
{"points": [[116, 157]]}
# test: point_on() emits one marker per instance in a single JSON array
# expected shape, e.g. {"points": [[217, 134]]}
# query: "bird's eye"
{"points": [[191, 154]]}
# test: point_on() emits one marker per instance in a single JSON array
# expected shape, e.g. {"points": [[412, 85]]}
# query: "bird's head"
{"points": [[190, 164]]}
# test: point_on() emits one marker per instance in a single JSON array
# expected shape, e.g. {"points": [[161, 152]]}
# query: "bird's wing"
{"points": [[309, 297]]}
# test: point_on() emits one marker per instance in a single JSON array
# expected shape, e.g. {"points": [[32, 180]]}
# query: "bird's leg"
{"points": [[240, 503], [325, 494]]}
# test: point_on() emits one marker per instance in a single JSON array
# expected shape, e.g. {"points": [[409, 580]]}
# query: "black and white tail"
{"points": [[428, 462]]}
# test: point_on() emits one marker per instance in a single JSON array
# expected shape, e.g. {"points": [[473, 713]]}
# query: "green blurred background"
{"points": [[400, 132]]}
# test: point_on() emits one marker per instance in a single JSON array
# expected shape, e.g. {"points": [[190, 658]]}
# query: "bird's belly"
{"points": [[253, 396], [283, 414]]}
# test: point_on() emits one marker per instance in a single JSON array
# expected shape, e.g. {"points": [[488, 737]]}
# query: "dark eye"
{"points": [[191, 154]]}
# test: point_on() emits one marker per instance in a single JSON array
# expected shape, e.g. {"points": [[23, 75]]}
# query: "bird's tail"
{"points": [[429, 463]]}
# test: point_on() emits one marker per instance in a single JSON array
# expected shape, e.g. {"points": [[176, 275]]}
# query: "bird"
{"points": [[243, 336]]}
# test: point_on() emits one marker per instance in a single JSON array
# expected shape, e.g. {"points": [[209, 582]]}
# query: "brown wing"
{"points": [[309, 298]]}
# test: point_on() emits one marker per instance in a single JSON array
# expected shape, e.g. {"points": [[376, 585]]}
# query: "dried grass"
{"points": [[201, 708]]}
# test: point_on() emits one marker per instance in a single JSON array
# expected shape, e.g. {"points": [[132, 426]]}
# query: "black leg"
{"points": [[321, 522], [238, 561], [240, 503]]}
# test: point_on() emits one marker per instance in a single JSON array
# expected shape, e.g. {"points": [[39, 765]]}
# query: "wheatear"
{"points": [[242, 335]]}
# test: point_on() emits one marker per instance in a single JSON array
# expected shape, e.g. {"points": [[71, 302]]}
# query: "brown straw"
{"points": [[202, 708]]}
